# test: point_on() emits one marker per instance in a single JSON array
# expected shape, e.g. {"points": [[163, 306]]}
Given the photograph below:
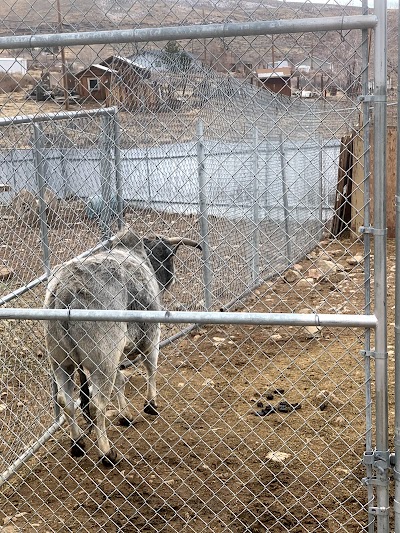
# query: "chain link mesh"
{"points": [[252, 147]]}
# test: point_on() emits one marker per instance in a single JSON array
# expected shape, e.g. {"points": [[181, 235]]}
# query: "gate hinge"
{"points": [[373, 231], [381, 511], [374, 355], [372, 98], [373, 481], [380, 460]]}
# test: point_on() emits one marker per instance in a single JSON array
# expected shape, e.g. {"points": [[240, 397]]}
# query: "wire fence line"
{"points": [[166, 175], [289, 184]]}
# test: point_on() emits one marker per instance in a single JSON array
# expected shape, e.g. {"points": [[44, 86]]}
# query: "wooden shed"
{"points": [[117, 81], [130, 85], [275, 79], [94, 83]]}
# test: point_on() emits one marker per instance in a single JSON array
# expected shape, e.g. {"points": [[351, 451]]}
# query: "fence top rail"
{"points": [[59, 115], [199, 317], [198, 31]]}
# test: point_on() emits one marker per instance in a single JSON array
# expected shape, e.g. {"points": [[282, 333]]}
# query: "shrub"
{"points": [[14, 83]]}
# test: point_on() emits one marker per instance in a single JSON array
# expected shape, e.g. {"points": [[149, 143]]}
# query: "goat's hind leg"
{"points": [[64, 376], [150, 363], [124, 413], [103, 384]]}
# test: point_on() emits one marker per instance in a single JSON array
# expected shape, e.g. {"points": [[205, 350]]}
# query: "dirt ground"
{"points": [[261, 429]]}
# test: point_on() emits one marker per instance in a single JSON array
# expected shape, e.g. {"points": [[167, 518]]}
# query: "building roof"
{"points": [[314, 63], [279, 64], [153, 59], [122, 59], [97, 66], [160, 61], [277, 72]]}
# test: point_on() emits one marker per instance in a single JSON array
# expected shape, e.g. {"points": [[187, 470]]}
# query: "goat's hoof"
{"points": [[110, 459], [150, 408], [125, 421], [78, 448]]}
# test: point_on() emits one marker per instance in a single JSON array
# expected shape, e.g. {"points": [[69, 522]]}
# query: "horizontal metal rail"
{"points": [[198, 31], [30, 452], [22, 290], [198, 317], [34, 283], [60, 115]]}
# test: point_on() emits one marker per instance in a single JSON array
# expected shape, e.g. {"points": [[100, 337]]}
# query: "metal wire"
{"points": [[218, 124]]}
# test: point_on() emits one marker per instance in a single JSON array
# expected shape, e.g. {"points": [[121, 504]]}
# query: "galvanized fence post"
{"points": [[380, 283], [117, 163], [396, 502], [64, 174], [149, 198], [106, 214], [203, 209], [367, 272], [266, 202], [256, 211], [285, 200], [41, 186], [321, 179]]}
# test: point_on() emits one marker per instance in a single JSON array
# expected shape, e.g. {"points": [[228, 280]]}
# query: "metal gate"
{"points": [[220, 125]]}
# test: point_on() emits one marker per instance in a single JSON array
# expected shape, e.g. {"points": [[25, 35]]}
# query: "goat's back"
{"points": [[111, 280]]}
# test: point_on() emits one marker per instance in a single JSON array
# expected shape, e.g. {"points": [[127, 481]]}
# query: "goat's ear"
{"points": [[151, 243], [127, 238], [158, 248]]}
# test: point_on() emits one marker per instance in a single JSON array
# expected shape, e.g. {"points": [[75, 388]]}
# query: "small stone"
{"points": [[313, 332], [326, 398], [340, 421], [314, 273], [356, 260], [326, 267], [305, 283], [5, 273], [291, 276], [277, 457]]}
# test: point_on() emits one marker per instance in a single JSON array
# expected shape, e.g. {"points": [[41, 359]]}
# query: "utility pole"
{"points": [[63, 65], [204, 42], [273, 53]]}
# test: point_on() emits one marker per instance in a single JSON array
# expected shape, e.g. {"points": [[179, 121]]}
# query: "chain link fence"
{"points": [[202, 122]]}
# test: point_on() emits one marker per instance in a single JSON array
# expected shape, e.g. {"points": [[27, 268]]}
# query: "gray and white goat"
{"points": [[131, 275]]}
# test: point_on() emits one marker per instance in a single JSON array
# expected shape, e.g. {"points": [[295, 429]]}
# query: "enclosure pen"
{"points": [[269, 402], [367, 277], [380, 249], [396, 458]]}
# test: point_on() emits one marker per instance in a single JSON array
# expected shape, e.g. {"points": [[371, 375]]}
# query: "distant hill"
{"points": [[340, 48], [25, 15]]}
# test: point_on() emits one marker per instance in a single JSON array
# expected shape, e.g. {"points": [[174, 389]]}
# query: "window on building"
{"points": [[93, 84]]}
